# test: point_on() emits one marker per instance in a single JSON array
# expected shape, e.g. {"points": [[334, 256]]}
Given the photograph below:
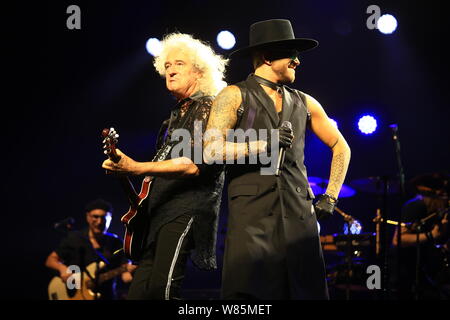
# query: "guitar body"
{"points": [[136, 223], [57, 288]]}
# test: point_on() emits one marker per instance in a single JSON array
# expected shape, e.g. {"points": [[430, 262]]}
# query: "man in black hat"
{"points": [[272, 249], [426, 216]]}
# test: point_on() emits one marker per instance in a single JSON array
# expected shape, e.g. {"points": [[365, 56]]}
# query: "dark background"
{"points": [[64, 86]]}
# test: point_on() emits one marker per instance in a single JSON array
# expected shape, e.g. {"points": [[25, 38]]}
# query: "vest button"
{"points": [[298, 189]]}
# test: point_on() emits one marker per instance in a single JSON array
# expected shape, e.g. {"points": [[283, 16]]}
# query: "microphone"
{"points": [[285, 124], [66, 224]]}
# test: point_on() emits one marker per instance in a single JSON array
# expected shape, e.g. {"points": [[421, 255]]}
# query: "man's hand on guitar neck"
{"points": [[125, 166], [127, 276], [173, 168]]}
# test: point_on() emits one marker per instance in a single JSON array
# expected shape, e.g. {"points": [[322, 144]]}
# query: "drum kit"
{"points": [[348, 254]]}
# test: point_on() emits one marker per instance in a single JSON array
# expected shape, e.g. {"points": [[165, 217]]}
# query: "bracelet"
{"points": [[429, 236], [329, 196]]}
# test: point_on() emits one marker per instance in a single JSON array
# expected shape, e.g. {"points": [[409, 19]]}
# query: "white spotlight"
{"points": [[153, 46], [387, 24], [367, 124], [334, 123], [226, 40]]}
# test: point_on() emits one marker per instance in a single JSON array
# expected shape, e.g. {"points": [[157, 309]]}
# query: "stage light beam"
{"points": [[226, 39]]}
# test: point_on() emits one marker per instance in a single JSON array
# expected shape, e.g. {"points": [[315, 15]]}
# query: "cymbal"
{"points": [[376, 185], [319, 186]]}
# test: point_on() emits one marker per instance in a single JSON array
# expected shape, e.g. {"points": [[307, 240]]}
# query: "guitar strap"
{"points": [[101, 256], [162, 133]]}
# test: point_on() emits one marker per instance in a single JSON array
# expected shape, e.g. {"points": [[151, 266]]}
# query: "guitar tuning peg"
{"points": [[105, 152], [116, 135]]}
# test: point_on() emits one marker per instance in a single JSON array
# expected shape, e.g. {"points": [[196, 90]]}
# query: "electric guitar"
{"points": [[58, 289], [135, 220]]}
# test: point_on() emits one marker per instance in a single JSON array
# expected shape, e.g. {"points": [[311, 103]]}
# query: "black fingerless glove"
{"points": [[324, 207], [285, 138]]}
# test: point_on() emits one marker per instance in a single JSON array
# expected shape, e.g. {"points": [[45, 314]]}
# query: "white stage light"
{"points": [[387, 24], [153, 46], [226, 40]]}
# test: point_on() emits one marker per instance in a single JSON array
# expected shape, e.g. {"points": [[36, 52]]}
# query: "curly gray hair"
{"points": [[203, 57]]}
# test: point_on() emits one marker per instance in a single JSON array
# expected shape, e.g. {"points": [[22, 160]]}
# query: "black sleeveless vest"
{"points": [[259, 113], [272, 247]]}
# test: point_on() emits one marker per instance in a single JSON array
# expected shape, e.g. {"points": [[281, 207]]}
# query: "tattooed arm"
{"points": [[330, 135], [222, 118]]}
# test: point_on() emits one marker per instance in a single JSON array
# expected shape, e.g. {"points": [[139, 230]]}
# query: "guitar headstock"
{"points": [[110, 140]]}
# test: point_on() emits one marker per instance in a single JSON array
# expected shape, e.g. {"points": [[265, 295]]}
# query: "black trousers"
{"points": [[161, 270]]}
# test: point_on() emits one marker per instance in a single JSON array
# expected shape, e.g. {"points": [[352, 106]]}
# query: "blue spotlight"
{"points": [[226, 40], [387, 24], [153, 46], [367, 124]]}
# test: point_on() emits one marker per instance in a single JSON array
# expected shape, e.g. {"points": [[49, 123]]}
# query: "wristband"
{"points": [[329, 196]]}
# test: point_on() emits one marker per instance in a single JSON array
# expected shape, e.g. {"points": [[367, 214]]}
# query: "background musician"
{"points": [[92, 244], [429, 211]]}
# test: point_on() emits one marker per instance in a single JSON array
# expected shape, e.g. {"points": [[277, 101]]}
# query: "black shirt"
{"points": [[198, 196]]}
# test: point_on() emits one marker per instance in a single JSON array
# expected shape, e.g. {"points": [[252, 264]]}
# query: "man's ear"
{"points": [[198, 73], [267, 62]]}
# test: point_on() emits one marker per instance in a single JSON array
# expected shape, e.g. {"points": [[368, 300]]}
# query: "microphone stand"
{"points": [[396, 139], [348, 220], [382, 239], [417, 275], [349, 261]]}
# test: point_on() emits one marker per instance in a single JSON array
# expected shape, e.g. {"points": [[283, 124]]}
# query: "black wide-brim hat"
{"points": [[274, 34]]}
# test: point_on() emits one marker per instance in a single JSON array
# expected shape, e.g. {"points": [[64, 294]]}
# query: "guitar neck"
{"points": [[111, 274], [128, 187]]}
